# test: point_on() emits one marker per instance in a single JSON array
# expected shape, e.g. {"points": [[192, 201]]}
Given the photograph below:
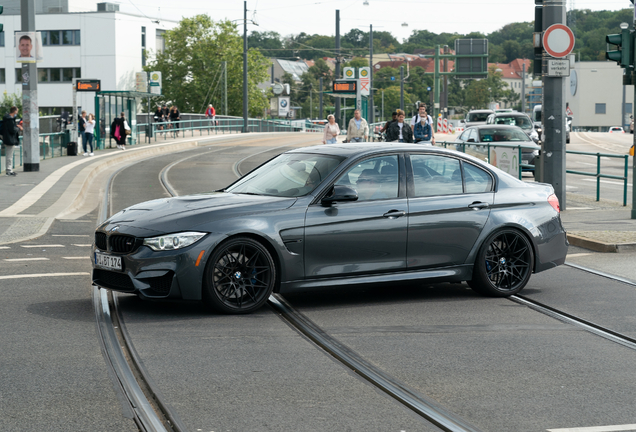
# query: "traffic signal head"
{"points": [[624, 54]]}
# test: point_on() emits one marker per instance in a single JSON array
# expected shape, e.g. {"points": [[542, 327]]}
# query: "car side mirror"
{"points": [[340, 193], [471, 140]]}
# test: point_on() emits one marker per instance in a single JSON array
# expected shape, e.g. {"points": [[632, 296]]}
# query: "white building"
{"points": [[82, 39]]}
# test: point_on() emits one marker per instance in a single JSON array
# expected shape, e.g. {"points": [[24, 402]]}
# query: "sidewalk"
{"points": [[70, 187]]}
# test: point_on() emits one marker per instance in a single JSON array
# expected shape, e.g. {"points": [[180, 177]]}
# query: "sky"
{"points": [[318, 16]]}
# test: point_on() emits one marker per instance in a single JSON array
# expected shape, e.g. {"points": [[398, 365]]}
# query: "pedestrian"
{"points": [[10, 131], [332, 130], [386, 126], [90, 127], [421, 113], [81, 123], [210, 114], [159, 117], [175, 116], [400, 131], [422, 132], [119, 130], [358, 130]]}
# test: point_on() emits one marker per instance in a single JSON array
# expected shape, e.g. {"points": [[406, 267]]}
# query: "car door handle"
{"points": [[394, 214], [478, 205]]}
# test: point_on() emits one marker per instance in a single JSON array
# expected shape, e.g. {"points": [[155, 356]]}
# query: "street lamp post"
{"points": [[245, 67]]}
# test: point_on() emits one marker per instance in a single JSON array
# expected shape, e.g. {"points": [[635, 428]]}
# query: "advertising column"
{"points": [[28, 51]]}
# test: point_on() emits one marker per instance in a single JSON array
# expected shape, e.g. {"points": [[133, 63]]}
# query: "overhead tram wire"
{"points": [[217, 73]]}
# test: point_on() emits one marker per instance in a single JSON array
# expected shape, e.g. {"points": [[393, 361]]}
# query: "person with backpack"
{"points": [[118, 131], [10, 131], [421, 114]]}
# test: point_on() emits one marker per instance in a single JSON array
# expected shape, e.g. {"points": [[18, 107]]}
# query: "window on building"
{"points": [[78, 73], [2, 77], [18, 75], [160, 42], [628, 108], [54, 75], [67, 37], [67, 74], [60, 37], [600, 108], [54, 37], [43, 75]]}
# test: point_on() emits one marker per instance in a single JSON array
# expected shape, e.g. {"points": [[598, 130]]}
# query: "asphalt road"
{"points": [[498, 365]]}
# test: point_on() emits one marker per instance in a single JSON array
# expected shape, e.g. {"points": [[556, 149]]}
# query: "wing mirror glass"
{"points": [[340, 193]]}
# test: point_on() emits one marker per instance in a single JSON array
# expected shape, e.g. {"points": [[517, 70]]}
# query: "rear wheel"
{"points": [[504, 264], [239, 277]]}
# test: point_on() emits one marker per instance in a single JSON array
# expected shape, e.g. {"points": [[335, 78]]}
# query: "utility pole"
{"points": [[311, 101], [553, 111], [225, 90], [321, 112], [402, 88], [523, 88], [337, 101], [30, 112], [245, 67], [371, 107]]}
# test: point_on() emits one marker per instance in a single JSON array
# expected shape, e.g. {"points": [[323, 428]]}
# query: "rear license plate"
{"points": [[107, 261]]}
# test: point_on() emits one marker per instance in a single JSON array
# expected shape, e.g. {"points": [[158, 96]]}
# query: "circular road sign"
{"points": [[558, 40]]}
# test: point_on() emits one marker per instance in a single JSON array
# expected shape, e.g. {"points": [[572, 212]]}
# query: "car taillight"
{"points": [[554, 202]]}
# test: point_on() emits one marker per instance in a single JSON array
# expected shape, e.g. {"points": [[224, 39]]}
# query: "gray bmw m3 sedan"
{"points": [[335, 215]]}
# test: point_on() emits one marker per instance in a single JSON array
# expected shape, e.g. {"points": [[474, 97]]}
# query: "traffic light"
{"points": [[624, 54], [1, 25]]}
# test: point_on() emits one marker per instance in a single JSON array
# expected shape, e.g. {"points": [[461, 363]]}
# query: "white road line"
{"points": [[4, 247], [43, 246], [25, 259], [580, 208], [617, 428], [82, 245], [70, 235], [42, 275], [72, 258], [578, 255], [607, 181]]}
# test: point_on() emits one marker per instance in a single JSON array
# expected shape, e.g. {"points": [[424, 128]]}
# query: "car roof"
{"points": [[357, 149], [481, 111], [511, 113]]}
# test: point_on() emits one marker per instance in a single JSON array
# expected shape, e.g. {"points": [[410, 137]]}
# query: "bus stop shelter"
{"points": [[108, 106]]}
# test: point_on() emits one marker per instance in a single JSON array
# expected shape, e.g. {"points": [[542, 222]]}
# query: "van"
{"points": [[536, 116]]}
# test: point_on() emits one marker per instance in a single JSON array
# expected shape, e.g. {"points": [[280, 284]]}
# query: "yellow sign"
{"points": [[364, 72], [349, 73]]}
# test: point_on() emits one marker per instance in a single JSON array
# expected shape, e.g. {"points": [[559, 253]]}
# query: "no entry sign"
{"points": [[558, 40]]}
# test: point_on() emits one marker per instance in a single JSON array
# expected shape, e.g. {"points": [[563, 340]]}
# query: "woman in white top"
{"points": [[332, 130], [90, 127]]}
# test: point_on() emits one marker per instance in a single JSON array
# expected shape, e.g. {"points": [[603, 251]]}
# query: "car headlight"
{"points": [[173, 241]]}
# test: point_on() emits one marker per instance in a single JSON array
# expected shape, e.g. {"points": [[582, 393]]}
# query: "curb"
{"points": [[599, 246]]}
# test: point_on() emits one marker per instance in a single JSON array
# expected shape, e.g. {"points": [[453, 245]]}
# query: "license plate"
{"points": [[107, 261]]}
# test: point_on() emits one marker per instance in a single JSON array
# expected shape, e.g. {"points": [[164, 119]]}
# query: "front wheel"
{"points": [[239, 277], [504, 264]]}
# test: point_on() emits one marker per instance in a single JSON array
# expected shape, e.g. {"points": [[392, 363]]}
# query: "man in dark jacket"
{"points": [[10, 138], [399, 131]]}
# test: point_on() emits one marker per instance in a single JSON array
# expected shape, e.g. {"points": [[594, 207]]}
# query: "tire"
{"points": [[239, 277], [504, 264]]}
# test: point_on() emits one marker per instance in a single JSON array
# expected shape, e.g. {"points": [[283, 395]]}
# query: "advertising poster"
{"points": [[28, 47], [506, 159], [283, 106]]}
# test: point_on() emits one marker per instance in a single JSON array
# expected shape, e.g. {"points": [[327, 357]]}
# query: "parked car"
{"points": [[332, 216], [498, 134], [515, 119], [616, 129]]}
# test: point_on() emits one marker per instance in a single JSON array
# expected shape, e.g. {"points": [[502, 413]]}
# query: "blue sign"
{"points": [[428, 88], [393, 78]]}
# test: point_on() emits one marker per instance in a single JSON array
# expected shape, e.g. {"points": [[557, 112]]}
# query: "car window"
{"points": [[491, 119], [477, 180], [436, 175], [473, 135], [502, 134], [464, 135], [373, 179], [522, 121], [478, 117]]}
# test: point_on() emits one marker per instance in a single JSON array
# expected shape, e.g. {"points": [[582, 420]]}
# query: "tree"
{"points": [[191, 66], [9, 100]]}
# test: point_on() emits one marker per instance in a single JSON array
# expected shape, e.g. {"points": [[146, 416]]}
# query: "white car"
{"points": [[616, 129]]}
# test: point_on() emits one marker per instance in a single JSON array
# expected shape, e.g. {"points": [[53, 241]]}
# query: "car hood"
{"points": [[168, 215]]}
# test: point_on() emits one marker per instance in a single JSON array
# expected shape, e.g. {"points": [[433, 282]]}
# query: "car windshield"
{"points": [[502, 134], [478, 117], [287, 175], [522, 121]]}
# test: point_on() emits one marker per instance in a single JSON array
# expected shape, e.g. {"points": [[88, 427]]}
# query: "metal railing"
{"points": [[51, 145]]}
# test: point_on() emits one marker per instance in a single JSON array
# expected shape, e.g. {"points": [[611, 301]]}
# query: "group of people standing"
{"points": [[86, 128], [419, 131], [164, 116]]}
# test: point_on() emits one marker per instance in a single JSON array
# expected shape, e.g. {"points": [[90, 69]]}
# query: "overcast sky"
{"points": [[318, 16]]}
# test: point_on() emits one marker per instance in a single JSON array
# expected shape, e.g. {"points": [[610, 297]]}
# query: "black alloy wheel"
{"points": [[504, 264], [239, 277]]}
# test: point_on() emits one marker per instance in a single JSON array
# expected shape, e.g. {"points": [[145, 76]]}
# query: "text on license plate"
{"points": [[111, 262]]}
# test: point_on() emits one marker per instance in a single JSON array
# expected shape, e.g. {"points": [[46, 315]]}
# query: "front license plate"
{"points": [[107, 261]]}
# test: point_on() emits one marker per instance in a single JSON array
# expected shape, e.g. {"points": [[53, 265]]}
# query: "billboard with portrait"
{"points": [[28, 47]]}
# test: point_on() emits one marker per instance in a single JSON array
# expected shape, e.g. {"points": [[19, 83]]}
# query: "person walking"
{"points": [[422, 132], [400, 131], [358, 130], [90, 127], [175, 116], [159, 117], [421, 114], [81, 125], [119, 131], [10, 131], [332, 130], [210, 114]]}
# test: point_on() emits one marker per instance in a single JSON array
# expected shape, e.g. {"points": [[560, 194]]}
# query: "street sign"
{"points": [[559, 68], [365, 74], [558, 40], [141, 82], [392, 78], [155, 82], [349, 72], [569, 112], [87, 85], [345, 86]]}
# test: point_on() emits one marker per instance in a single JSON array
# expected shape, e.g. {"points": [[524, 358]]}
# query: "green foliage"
{"points": [[9, 100], [191, 67]]}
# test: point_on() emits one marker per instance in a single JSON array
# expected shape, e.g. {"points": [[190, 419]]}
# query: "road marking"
{"points": [[83, 245], [578, 255], [70, 235], [4, 247], [41, 275], [617, 428], [607, 181], [580, 208], [81, 257], [42, 246], [25, 259]]}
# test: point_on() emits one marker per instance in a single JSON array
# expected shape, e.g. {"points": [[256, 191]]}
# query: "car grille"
{"points": [[112, 280], [100, 241], [160, 285], [122, 244]]}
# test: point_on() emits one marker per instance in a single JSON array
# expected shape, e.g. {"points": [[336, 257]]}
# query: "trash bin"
{"points": [[71, 149]]}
